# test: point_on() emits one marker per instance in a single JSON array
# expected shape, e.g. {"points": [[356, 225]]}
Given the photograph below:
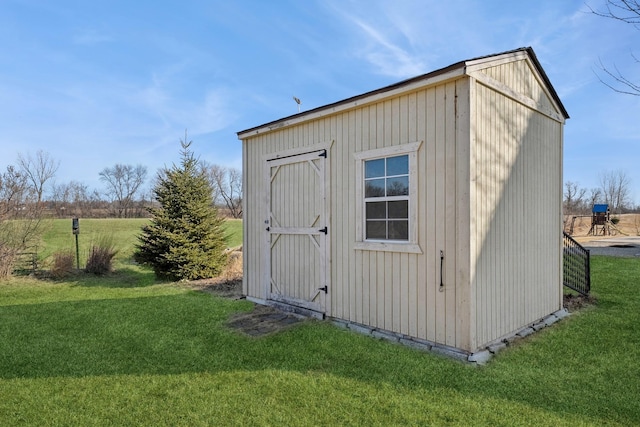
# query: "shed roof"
{"points": [[456, 69]]}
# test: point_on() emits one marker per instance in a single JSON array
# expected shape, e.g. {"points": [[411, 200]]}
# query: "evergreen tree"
{"points": [[185, 239]]}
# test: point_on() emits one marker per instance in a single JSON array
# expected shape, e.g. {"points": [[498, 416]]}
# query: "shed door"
{"points": [[297, 230]]}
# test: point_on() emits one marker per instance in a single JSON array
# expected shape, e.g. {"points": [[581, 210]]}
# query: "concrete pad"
{"points": [[526, 332], [481, 357], [364, 330], [415, 344], [495, 348]]}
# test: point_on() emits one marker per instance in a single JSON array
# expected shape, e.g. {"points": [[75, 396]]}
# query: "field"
{"points": [[127, 350], [123, 232]]}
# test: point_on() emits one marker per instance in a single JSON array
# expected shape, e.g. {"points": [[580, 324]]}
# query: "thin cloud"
{"points": [[389, 58], [92, 37], [377, 41]]}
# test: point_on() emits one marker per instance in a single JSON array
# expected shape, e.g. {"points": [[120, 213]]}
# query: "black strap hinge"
{"points": [[325, 288], [323, 154], [324, 230]]}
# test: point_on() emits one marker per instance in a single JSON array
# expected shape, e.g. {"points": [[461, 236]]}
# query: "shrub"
{"points": [[62, 264], [615, 220], [233, 271], [101, 255], [8, 257]]}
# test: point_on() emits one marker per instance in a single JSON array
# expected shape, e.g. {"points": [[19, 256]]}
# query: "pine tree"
{"points": [[185, 239]]}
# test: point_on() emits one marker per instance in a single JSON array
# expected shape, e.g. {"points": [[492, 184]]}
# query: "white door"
{"points": [[297, 230]]}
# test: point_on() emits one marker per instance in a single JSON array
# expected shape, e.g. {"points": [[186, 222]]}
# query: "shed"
{"points": [[429, 209]]}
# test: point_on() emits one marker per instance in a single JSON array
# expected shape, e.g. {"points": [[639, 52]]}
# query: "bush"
{"points": [[8, 256], [62, 264], [101, 256], [615, 220]]}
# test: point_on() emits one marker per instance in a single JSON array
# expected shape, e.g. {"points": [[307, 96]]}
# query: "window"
{"points": [[387, 194], [386, 198]]}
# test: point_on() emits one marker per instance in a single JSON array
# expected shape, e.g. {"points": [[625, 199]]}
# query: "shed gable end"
{"points": [[520, 81]]}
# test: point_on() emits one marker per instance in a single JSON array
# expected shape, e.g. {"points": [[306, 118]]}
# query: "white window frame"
{"points": [[411, 245]]}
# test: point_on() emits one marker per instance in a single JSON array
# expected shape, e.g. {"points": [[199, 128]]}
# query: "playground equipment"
{"points": [[601, 223], [600, 220]]}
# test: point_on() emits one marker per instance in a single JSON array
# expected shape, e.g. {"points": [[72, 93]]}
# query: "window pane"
{"points": [[386, 204], [398, 186], [399, 209], [374, 168], [399, 230], [374, 188], [376, 229], [377, 210], [398, 165]]}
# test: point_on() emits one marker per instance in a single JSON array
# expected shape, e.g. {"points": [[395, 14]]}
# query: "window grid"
{"points": [[386, 190]]}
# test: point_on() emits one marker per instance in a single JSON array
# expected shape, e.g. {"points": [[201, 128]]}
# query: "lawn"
{"points": [[123, 232], [144, 353]]}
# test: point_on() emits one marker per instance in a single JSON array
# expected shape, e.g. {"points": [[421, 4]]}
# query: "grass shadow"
{"points": [[123, 277]]}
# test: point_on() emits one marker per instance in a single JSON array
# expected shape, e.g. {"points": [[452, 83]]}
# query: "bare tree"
{"points": [[212, 172], [573, 198], [595, 196], [13, 189], [615, 187], [60, 199], [628, 12], [38, 170], [16, 202], [72, 198], [227, 187], [123, 182]]}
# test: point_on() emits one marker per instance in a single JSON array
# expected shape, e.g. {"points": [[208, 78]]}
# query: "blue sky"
{"points": [[96, 83]]}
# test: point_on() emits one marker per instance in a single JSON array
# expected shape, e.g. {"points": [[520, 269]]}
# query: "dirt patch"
{"points": [[222, 287], [263, 320], [575, 302], [229, 283]]}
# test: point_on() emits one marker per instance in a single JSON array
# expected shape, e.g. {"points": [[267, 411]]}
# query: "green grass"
{"points": [[88, 354], [58, 236], [234, 231]]}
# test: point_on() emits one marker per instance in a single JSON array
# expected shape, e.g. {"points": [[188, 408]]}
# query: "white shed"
{"points": [[429, 209]]}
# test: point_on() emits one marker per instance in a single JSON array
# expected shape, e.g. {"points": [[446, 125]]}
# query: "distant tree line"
{"points": [[614, 190], [29, 193], [28, 188]]}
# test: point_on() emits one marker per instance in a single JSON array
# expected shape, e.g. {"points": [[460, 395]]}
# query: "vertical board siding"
{"points": [[437, 200], [419, 295], [521, 77], [516, 229], [430, 222], [463, 215], [394, 291]]}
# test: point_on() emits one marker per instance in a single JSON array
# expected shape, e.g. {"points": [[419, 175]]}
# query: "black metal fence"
{"points": [[576, 272]]}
